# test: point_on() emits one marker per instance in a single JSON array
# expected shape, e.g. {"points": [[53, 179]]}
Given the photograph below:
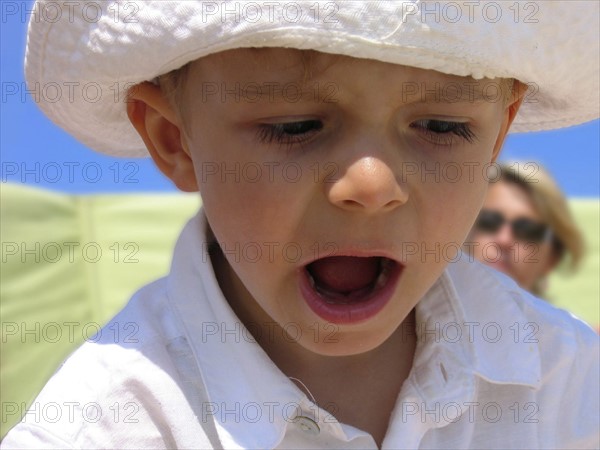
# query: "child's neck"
{"points": [[359, 390]]}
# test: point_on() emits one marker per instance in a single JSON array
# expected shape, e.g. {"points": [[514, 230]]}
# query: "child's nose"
{"points": [[367, 184]]}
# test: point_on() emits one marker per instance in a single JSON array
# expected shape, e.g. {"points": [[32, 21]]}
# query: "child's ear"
{"points": [[510, 112], [157, 123]]}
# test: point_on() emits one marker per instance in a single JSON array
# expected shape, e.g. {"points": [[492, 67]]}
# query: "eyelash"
{"points": [[269, 133], [445, 138]]}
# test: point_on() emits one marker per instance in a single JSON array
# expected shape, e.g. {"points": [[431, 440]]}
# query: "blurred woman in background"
{"points": [[525, 228]]}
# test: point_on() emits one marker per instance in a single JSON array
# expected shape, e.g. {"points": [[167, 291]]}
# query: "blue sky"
{"points": [[30, 142]]}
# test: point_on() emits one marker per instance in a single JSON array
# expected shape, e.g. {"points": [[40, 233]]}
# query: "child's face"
{"points": [[369, 163]]}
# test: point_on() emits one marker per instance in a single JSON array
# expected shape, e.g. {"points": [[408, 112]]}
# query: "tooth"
{"points": [[311, 280], [384, 275], [380, 281]]}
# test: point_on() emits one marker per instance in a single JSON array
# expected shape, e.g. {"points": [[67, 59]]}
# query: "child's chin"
{"points": [[341, 343]]}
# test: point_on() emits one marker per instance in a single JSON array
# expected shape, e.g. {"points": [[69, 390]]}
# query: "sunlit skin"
{"points": [[525, 262], [362, 200]]}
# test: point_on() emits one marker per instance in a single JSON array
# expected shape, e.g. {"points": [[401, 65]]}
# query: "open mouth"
{"points": [[349, 289], [349, 279]]}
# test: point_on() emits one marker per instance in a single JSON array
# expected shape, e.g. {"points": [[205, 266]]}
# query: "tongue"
{"points": [[345, 273]]}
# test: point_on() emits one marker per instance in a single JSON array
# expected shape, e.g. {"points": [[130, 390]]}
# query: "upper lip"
{"points": [[356, 251]]}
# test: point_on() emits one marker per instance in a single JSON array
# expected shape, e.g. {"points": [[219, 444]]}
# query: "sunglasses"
{"points": [[523, 229]]}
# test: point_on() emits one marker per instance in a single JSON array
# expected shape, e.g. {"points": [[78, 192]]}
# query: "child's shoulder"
{"points": [[537, 365], [138, 369], [486, 291]]}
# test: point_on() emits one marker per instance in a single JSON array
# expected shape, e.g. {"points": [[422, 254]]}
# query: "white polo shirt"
{"points": [[494, 368]]}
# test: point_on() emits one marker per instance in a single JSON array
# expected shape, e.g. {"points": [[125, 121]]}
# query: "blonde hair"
{"points": [[552, 206], [171, 83]]}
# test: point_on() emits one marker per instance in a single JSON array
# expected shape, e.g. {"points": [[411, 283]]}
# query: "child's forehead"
{"points": [[293, 65]]}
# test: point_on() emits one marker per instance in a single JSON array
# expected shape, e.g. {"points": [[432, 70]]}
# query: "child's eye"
{"points": [[442, 132], [289, 133]]}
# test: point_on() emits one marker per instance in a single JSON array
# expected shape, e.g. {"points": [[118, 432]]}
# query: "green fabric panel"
{"points": [[69, 263]]}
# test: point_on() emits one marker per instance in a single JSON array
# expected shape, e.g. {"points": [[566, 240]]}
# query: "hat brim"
{"points": [[82, 68]]}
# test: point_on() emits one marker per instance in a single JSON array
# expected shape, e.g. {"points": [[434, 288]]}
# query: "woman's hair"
{"points": [[551, 204]]}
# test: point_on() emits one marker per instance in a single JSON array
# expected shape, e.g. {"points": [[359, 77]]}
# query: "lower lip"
{"points": [[350, 313]]}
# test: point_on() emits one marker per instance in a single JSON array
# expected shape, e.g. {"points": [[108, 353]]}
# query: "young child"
{"points": [[319, 299]]}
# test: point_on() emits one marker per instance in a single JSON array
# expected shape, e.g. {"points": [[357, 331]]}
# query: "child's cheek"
{"points": [[250, 208]]}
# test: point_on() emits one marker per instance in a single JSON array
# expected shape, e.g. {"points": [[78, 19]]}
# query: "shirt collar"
{"points": [[463, 333], [467, 330], [501, 337], [478, 327], [251, 400]]}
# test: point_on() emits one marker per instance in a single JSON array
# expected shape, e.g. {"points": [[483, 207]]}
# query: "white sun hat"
{"points": [[82, 56]]}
